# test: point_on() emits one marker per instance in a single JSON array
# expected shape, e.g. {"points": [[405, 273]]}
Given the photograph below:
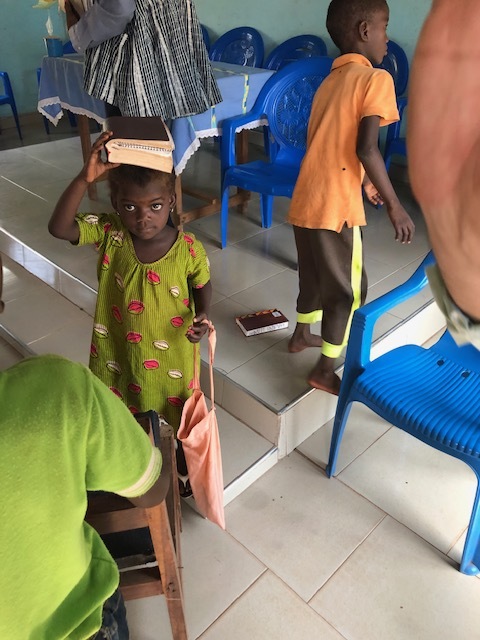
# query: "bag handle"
{"points": [[212, 343]]}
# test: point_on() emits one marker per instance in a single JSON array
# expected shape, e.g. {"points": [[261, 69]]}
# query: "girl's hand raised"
{"points": [[95, 166]]}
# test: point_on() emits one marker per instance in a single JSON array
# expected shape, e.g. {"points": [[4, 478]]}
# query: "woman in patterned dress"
{"points": [[154, 286], [144, 57]]}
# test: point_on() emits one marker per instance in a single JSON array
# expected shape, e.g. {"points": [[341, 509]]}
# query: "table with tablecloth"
{"points": [[61, 87]]}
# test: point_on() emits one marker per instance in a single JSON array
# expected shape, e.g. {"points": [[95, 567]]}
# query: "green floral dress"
{"points": [[139, 348]]}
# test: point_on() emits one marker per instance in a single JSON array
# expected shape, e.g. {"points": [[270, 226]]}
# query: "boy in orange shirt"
{"points": [[327, 213]]}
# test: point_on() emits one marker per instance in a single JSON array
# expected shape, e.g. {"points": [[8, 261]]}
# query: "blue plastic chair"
{"points": [[286, 101], [395, 144], [433, 394], [206, 37], [7, 97], [396, 63], [243, 46], [297, 48]]}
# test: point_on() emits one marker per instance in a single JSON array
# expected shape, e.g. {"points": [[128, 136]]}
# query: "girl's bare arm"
{"points": [[62, 224]]}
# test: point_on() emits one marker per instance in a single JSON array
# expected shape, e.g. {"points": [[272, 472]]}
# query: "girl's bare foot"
{"points": [[325, 381]]}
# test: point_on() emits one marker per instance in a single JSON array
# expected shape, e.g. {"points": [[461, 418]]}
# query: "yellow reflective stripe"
{"points": [[334, 350], [356, 278], [331, 350], [310, 318]]}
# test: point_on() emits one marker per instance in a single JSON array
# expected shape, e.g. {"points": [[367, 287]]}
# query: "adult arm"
{"points": [[444, 143], [369, 155], [104, 20], [156, 494]]}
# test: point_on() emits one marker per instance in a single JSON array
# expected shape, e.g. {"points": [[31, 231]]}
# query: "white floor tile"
{"points": [[217, 570], [269, 609], [364, 428], [301, 525], [429, 491], [396, 586]]}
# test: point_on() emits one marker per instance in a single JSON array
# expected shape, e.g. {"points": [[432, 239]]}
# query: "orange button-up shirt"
{"points": [[328, 191]]}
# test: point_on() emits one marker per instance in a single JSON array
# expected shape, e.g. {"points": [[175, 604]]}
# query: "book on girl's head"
{"points": [[262, 322], [145, 142]]}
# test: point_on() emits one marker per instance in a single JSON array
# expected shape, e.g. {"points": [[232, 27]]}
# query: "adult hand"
{"points": [[444, 143], [71, 14]]}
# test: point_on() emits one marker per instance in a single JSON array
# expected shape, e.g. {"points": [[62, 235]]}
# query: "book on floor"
{"points": [[262, 322], [144, 142]]}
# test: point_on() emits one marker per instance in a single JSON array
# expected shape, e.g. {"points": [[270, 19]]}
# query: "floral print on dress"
{"points": [[105, 262], [100, 330], [177, 321], [133, 329], [153, 277], [133, 337], [117, 314], [119, 282], [151, 364], [175, 291], [161, 344], [136, 307], [114, 367]]}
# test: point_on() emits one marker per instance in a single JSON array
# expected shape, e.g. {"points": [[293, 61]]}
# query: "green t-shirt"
{"points": [[62, 432]]}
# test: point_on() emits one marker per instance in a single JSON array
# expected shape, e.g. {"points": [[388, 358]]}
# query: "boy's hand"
{"points": [[198, 329], [372, 194], [402, 223], [95, 167]]}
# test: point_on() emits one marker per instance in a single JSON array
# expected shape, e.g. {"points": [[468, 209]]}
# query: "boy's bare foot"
{"points": [[299, 343], [325, 381]]}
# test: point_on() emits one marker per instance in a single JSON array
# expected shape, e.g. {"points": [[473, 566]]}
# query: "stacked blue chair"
{"points": [[433, 394], [242, 45], [396, 63], [297, 48], [206, 37], [7, 97], [285, 101]]}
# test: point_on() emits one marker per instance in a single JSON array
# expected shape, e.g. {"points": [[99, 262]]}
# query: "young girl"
{"points": [[153, 285]]}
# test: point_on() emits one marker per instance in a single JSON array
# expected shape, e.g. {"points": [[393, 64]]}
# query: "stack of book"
{"points": [[145, 142], [262, 322]]}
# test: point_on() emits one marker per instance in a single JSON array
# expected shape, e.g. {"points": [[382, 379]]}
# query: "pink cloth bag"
{"points": [[198, 433]]}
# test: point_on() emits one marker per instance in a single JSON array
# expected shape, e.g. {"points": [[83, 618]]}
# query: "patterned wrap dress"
{"points": [[158, 66], [139, 348]]}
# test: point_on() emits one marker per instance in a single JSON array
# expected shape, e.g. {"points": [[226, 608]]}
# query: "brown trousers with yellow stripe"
{"points": [[332, 282]]}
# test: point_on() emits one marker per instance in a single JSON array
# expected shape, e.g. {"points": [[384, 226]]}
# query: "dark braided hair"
{"points": [[140, 176]]}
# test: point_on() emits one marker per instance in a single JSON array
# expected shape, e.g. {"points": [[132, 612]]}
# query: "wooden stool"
{"points": [[110, 513]]}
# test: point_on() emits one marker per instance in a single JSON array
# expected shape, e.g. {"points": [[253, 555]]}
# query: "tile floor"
{"points": [[369, 555]]}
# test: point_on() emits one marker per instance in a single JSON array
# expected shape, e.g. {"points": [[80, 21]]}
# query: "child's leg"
{"points": [[344, 288], [308, 301]]}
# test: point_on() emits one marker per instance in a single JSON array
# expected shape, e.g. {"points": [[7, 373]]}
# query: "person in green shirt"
{"points": [[63, 433]]}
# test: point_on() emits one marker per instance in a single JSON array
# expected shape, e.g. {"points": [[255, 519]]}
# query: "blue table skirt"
{"points": [[61, 87]]}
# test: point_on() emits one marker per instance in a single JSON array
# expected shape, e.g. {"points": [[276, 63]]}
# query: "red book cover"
{"points": [[262, 321]]}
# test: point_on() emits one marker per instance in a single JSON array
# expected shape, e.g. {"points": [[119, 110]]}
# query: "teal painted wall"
{"points": [[278, 20], [22, 29], [21, 48]]}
